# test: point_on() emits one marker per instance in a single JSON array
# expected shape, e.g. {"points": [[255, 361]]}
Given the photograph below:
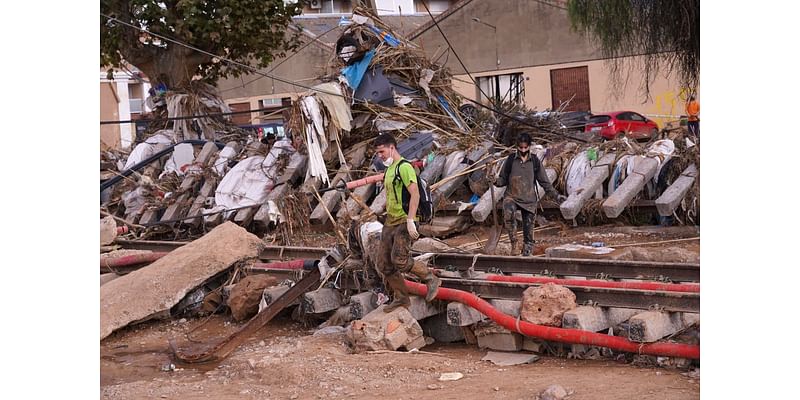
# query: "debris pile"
{"points": [[173, 188]]}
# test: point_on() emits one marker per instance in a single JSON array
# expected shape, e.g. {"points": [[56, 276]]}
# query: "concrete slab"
{"points": [[461, 315], [651, 326], [438, 328], [322, 300]]}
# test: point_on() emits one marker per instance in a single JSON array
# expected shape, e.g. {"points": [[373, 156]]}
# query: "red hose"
{"points": [[666, 287], [294, 264], [133, 259], [572, 336]]}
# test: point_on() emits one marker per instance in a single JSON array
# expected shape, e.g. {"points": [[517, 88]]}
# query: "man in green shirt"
{"points": [[400, 229]]}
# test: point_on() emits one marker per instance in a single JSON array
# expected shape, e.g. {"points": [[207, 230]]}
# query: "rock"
{"points": [[246, 295], [108, 230], [546, 304], [433, 387], [451, 376], [553, 392]]}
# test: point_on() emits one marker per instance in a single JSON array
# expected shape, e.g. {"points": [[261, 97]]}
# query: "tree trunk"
{"points": [[174, 66]]}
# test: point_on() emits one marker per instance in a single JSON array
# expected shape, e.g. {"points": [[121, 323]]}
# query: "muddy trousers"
{"points": [[510, 222], [395, 259]]}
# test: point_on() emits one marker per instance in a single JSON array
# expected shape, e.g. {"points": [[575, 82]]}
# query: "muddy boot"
{"points": [[430, 280], [401, 298], [527, 248]]}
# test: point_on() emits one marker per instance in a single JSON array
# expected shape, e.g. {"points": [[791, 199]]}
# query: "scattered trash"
{"points": [[506, 359], [451, 376]]}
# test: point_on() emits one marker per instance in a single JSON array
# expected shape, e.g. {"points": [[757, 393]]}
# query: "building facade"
{"points": [[121, 99], [516, 50]]}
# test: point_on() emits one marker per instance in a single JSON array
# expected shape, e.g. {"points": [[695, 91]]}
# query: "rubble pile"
{"points": [[379, 82]]}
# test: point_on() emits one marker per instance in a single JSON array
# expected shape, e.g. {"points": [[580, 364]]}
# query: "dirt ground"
{"points": [[286, 361]]}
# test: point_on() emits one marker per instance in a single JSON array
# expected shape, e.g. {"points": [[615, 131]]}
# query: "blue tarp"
{"points": [[355, 72]]}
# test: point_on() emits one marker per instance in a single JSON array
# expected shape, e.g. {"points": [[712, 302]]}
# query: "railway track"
{"points": [[589, 268]]}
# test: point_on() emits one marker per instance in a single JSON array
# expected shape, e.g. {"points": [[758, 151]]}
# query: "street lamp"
{"points": [[494, 28]]}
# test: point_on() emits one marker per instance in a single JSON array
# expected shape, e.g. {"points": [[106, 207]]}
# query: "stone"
{"points": [[438, 328], [379, 330], [322, 300], [546, 304], [553, 392], [108, 230], [461, 315], [450, 376], [246, 295]]}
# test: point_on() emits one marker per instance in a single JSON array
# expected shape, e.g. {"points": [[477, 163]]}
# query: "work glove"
{"points": [[412, 229], [561, 199]]}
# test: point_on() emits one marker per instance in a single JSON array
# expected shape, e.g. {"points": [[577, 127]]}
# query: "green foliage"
{"points": [[251, 32], [666, 33]]}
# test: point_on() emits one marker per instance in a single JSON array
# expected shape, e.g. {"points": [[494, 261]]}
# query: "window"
{"points": [[502, 88], [636, 117]]}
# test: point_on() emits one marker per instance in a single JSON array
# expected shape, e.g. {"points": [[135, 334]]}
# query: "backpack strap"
{"points": [[397, 178]]}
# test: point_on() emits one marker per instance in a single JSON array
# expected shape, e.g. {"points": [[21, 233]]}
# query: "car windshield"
{"points": [[599, 119]]}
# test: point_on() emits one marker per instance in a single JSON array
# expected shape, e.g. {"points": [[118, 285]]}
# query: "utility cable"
{"points": [[108, 122], [254, 70], [424, 3]]}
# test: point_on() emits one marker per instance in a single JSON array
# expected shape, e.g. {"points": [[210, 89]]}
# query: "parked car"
{"points": [[575, 120], [611, 125]]}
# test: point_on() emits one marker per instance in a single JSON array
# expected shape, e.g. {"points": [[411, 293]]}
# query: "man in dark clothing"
{"points": [[520, 173]]}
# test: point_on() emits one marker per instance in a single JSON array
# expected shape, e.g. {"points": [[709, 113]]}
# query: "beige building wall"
{"points": [[666, 103], [109, 111]]}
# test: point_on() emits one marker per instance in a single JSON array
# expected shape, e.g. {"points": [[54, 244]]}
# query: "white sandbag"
{"points": [[146, 149], [182, 157], [245, 184]]}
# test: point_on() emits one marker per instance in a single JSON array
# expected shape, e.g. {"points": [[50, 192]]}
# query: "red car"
{"points": [[618, 123]]}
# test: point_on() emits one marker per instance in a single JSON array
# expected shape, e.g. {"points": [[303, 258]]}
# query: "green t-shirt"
{"points": [[394, 191]]}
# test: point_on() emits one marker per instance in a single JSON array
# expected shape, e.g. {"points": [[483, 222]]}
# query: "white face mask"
{"points": [[388, 162]]}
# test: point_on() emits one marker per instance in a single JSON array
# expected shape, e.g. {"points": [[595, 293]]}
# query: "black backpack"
{"points": [[425, 207]]}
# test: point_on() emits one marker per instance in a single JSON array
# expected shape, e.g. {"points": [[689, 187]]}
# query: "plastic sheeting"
{"points": [[337, 107], [251, 180], [355, 72], [578, 168], [149, 147], [221, 164], [182, 157], [316, 141]]}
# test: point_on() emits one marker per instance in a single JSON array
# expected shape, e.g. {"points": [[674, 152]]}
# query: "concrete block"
{"points": [[671, 198], [531, 344], [461, 315], [469, 335], [651, 326], [589, 185], [510, 307], [493, 336], [438, 328], [362, 304], [271, 294], [595, 319], [322, 300], [643, 172], [420, 309], [379, 330]]}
